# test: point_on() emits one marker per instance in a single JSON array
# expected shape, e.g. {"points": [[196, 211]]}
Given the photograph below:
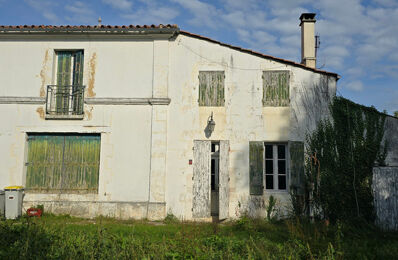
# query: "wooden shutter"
{"points": [[63, 163], [276, 88], [81, 163], [77, 82], [44, 165], [63, 81], [78, 62], [211, 88], [256, 162], [201, 179], [297, 166], [224, 180]]}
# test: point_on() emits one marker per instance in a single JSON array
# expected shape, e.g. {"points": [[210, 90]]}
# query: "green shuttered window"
{"points": [[211, 88], [276, 88], [63, 163], [69, 81], [271, 164]]}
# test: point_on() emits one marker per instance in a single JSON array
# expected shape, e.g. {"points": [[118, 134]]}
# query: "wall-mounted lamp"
{"points": [[210, 123]]}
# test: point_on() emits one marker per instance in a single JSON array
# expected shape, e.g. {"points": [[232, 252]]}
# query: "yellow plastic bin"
{"points": [[13, 201]]}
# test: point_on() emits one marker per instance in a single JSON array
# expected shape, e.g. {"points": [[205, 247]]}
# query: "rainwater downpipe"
{"points": [[150, 139]]}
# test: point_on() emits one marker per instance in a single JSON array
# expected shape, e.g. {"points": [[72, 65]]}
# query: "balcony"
{"points": [[65, 102]]}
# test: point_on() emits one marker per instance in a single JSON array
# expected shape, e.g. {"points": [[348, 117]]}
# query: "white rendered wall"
{"points": [[242, 119]]}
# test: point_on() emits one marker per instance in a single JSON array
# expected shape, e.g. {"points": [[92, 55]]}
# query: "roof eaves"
{"points": [[258, 54], [168, 28]]}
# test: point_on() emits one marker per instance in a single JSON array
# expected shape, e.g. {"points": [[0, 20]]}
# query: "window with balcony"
{"points": [[65, 98]]}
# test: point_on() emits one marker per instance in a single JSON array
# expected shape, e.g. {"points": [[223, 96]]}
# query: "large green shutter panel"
{"points": [[81, 163], [276, 88], [44, 164], [63, 163], [297, 166], [256, 162]]}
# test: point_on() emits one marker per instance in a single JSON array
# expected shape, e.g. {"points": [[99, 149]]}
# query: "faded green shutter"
{"points": [[63, 163], [276, 88], [44, 164], [81, 162], [63, 81], [297, 166], [64, 68], [78, 68], [78, 93], [211, 88], [256, 162]]}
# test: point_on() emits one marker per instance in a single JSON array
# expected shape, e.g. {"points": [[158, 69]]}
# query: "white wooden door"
{"points": [[201, 179], [224, 180]]}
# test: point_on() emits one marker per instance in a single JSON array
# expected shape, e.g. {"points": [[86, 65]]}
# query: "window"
{"points": [[59, 163], [275, 166], [276, 88], [272, 166], [211, 88], [66, 97]]}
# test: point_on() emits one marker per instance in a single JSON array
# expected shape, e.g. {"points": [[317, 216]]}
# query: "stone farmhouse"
{"points": [[142, 121]]}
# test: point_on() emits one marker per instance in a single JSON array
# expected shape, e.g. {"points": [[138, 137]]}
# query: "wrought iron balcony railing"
{"points": [[65, 100]]}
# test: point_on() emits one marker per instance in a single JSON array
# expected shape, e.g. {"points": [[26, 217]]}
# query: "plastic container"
{"points": [[13, 201]]}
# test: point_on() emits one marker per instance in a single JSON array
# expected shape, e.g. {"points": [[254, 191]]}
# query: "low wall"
{"points": [[385, 189], [91, 209]]}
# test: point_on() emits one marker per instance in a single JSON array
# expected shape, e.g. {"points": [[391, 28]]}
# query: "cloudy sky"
{"points": [[359, 39]]}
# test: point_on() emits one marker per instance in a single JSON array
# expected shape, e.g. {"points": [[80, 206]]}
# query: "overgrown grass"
{"points": [[65, 237]]}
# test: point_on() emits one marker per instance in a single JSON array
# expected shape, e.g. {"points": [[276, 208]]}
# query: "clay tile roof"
{"points": [[261, 55], [83, 27], [49, 28]]}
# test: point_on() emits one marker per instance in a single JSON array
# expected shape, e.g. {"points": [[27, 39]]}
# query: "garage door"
{"points": [[63, 163]]}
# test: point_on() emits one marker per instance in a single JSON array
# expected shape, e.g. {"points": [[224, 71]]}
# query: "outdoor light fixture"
{"points": [[210, 123]]}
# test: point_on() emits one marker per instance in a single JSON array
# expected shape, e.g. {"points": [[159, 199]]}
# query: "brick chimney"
{"points": [[307, 24]]}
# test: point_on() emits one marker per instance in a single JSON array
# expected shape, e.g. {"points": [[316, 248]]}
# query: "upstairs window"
{"points": [[70, 68], [276, 88], [211, 88], [66, 97]]}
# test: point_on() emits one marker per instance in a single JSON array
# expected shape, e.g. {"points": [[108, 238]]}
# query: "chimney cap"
{"points": [[307, 17]]}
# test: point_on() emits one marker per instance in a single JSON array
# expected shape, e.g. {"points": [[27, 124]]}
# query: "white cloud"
{"points": [[123, 5], [354, 85], [46, 9], [152, 13], [203, 14], [79, 12]]}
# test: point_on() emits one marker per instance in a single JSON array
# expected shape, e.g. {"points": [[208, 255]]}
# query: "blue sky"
{"points": [[359, 39]]}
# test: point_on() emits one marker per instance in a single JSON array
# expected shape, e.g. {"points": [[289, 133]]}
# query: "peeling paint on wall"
{"points": [[89, 113], [43, 74], [91, 78], [40, 111]]}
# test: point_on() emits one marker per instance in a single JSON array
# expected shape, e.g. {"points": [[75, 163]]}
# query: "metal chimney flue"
{"points": [[307, 24]]}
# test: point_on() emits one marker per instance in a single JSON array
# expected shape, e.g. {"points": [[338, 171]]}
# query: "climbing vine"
{"points": [[340, 155]]}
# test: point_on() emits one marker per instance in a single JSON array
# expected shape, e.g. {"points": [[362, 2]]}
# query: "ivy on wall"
{"points": [[341, 153]]}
